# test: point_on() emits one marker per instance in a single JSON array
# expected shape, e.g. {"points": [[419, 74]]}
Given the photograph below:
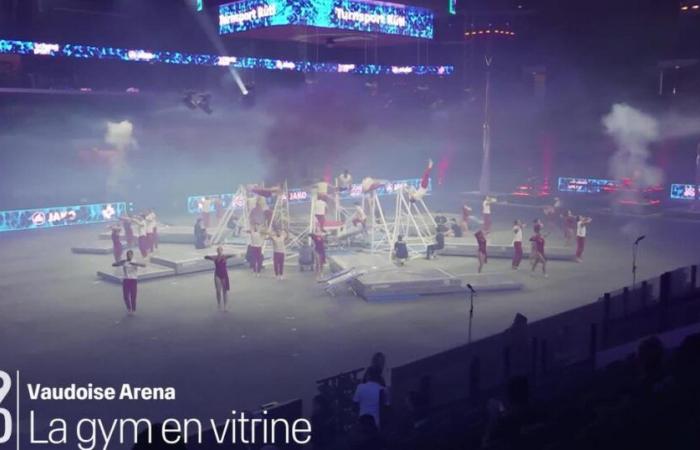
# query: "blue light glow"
{"points": [[194, 202], [356, 15], [12, 47], [61, 216]]}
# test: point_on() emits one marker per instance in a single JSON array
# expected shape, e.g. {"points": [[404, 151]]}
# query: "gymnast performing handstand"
{"points": [[418, 194]]}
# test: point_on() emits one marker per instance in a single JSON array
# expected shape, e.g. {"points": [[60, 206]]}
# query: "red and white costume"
{"points": [[581, 231], [320, 213], [418, 194], [151, 231], [321, 189], [369, 184], [256, 256], [466, 212], [279, 250], [360, 217], [517, 245], [140, 230]]}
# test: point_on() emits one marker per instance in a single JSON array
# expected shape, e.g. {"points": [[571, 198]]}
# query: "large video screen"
{"points": [[13, 47], [195, 202], [357, 15], [683, 191], [587, 185], [61, 216]]}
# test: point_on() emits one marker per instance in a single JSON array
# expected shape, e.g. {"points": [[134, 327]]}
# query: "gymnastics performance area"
{"points": [[439, 225], [291, 326]]}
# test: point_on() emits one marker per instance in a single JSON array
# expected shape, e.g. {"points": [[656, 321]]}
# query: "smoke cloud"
{"points": [[120, 136], [633, 132], [310, 131]]}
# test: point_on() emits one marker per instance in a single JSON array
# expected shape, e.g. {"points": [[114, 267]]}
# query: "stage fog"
{"points": [[153, 150]]}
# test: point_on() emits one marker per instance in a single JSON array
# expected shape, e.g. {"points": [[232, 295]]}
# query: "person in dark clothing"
{"points": [[438, 245], [482, 244], [200, 235], [322, 423], [378, 362], [400, 251], [456, 229]]}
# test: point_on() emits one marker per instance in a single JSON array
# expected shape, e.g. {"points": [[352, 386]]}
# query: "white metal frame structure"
{"points": [[413, 220]]}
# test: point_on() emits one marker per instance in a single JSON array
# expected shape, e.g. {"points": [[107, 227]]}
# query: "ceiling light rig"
{"points": [[499, 32]]}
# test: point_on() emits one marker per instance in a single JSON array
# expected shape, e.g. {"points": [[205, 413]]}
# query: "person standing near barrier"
{"points": [[371, 396], [581, 231], [517, 244], [130, 270], [221, 280]]}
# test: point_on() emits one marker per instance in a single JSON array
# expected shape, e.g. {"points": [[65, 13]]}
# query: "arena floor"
{"points": [[58, 319]]}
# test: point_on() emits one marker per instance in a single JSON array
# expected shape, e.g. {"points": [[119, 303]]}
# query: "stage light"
{"points": [[204, 104], [489, 32], [194, 100], [188, 101], [248, 99]]}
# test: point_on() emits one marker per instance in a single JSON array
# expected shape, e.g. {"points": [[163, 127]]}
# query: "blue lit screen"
{"points": [[586, 185], [12, 47], [194, 202], [683, 191], [60, 216], [357, 15]]}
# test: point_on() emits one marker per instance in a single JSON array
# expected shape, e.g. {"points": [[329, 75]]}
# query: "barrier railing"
{"points": [[549, 346]]}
